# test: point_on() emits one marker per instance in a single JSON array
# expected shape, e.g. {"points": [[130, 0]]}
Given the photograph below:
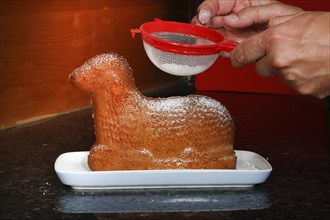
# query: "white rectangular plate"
{"points": [[72, 169]]}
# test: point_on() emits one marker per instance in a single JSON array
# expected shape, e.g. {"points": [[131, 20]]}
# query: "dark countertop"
{"points": [[290, 131]]}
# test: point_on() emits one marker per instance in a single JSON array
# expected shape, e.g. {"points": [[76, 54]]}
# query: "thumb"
{"points": [[250, 50]]}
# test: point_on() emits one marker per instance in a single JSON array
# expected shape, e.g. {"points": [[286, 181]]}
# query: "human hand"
{"points": [[221, 15], [212, 13], [295, 47], [280, 39]]}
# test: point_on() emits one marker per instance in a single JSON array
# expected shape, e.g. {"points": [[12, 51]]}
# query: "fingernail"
{"points": [[238, 58], [204, 16], [232, 18]]}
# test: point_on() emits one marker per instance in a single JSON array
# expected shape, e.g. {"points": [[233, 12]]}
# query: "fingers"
{"points": [[260, 14], [206, 11], [213, 9], [264, 67], [205, 15], [250, 15], [195, 20], [280, 19]]}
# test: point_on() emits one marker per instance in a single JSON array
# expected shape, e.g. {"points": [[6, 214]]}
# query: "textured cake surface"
{"points": [[135, 132]]}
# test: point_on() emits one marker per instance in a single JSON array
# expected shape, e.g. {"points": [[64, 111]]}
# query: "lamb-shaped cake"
{"points": [[135, 132]]}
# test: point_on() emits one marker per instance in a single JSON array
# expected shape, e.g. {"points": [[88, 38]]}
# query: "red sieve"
{"points": [[181, 48]]}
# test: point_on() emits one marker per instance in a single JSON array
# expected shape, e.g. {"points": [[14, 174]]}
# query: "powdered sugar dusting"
{"points": [[243, 165], [100, 61], [182, 70], [168, 104], [187, 103], [101, 147], [211, 103]]}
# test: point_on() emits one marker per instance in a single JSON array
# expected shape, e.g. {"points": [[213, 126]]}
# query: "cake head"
{"points": [[107, 71]]}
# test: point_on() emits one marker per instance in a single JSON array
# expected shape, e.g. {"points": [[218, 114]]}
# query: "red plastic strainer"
{"points": [[180, 48]]}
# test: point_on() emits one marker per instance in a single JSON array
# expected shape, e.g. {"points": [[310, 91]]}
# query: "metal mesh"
{"points": [[182, 38], [179, 64]]}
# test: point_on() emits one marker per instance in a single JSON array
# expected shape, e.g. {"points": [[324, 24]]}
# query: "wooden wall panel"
{"points": [[42, 42]]}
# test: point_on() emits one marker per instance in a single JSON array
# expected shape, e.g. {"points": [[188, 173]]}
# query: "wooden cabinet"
{"points": [[42, 42]]}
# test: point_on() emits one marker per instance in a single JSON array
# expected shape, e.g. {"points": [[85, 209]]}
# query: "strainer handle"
{"points": [[227, 46], [135, 31]]}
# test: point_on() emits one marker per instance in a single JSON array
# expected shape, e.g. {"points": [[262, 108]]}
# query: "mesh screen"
{"points": [[179, 64], [182, 38]]}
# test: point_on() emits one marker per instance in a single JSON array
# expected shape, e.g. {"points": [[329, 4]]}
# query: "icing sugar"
{"points": [[186, 104], [101, 147], [243, 165], [167, 104], [211, 103], [100, 60], [182, 70]]}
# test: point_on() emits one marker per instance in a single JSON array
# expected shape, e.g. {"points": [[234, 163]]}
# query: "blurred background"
{"points": [[42, 42]]}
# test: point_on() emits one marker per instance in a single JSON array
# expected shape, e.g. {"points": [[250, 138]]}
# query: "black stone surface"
{"points": [[290, 131]]}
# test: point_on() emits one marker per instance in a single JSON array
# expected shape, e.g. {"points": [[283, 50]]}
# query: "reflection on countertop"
{"points": [[163, 200]]}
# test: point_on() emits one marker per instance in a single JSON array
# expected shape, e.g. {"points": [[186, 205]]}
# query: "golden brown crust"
{"points": [[134, 132]]}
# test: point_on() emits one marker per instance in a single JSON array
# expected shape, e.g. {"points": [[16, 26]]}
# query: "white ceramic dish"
{"points": [[72, 169]]}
